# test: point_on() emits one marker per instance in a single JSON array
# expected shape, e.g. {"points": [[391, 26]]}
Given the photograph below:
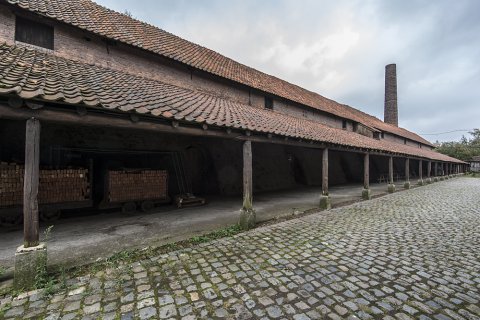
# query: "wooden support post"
{"points": [[407, 174], [366, 193], [391, 185], [429, 172], [435, 172], [325, 172], [31, 258], [325, 198], [247, 214], [366, 171], [31, 179], [420, 172]]}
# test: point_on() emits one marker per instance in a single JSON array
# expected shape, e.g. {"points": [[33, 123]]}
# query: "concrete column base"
{"points": [[248, 219], [325, 202], [28, 263], [442, 178], [428, 181], [406, 185], [420, 182], [435, 179], [391, 188], [366, 194]]}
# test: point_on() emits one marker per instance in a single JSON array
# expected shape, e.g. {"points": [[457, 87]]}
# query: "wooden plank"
{"points": [[390, 170], [247, 176], [366, 171], [407, 170], [325, 172], [429, 169], [31, 180]]}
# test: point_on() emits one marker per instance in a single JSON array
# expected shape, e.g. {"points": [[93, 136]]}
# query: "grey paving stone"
{"points": [[147, 313], [411, 255]]}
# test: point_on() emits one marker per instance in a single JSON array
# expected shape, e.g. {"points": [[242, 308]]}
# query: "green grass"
{"points": [[4, 309], [3, 270], [473, 175]]}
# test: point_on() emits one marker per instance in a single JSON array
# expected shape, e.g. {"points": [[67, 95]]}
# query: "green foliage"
{"points": [[473, 175], [42, 278], [47, 233], [4, 309], [222, 233], [464, 149], [2, 270]]}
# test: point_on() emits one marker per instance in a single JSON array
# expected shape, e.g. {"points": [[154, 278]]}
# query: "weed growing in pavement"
{"points": [[2, 270], [43, 280], [4, 309]]}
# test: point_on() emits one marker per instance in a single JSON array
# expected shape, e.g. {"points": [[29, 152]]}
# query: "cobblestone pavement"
{"points": [[410, 255]]}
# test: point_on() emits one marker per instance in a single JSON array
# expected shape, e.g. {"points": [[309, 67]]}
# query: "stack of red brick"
{"points": [[137, 185], [55, 186]]}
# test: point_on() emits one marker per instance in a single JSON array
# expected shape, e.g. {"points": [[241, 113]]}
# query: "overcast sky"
{"points": [[340, 48]]}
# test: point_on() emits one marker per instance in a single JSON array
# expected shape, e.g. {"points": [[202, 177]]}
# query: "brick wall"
{"points": [[7, 26], [391, 108], [290, 108]]}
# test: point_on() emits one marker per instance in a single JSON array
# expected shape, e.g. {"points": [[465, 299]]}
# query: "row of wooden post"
{"points": [[31, 181], [448, 169], [366, 179]]}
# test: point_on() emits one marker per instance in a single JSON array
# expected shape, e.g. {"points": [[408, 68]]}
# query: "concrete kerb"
{"points": [[391, 188], [248, 219], [325, 202], [366, 194]]}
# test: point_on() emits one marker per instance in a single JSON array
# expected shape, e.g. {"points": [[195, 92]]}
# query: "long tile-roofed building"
{"points": [[125, 116], [33, 74], [94, 18]]}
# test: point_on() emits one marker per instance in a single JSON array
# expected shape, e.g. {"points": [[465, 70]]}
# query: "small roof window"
{"points": [[34, 33]]}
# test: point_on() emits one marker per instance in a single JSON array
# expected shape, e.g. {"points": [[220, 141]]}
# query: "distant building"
{"points": [[475, 164]]}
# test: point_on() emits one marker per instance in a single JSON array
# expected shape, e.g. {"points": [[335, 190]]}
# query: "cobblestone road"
{"points": [[410, 255]]}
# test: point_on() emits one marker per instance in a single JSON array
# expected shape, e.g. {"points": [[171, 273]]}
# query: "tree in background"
{"points": [[464, 149]]}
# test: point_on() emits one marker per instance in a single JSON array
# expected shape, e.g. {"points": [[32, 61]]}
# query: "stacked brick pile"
{"points": [[11, 184], [66, 185], [137, 185], [55, 186]]}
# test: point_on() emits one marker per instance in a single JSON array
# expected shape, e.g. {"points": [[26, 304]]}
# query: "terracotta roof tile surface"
{"points": [[33, 74], [92, 17]]}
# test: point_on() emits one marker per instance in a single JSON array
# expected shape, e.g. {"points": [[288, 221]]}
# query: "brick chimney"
{"points": [[391, 107]]}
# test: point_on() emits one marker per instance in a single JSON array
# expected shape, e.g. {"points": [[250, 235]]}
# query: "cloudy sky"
{"points": [[340, 48]]}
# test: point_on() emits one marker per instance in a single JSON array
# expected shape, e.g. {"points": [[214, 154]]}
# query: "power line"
{"points": [[439, 133]]}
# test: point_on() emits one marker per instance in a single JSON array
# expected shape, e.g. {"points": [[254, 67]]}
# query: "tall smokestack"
{"points": [[391, 107]]}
